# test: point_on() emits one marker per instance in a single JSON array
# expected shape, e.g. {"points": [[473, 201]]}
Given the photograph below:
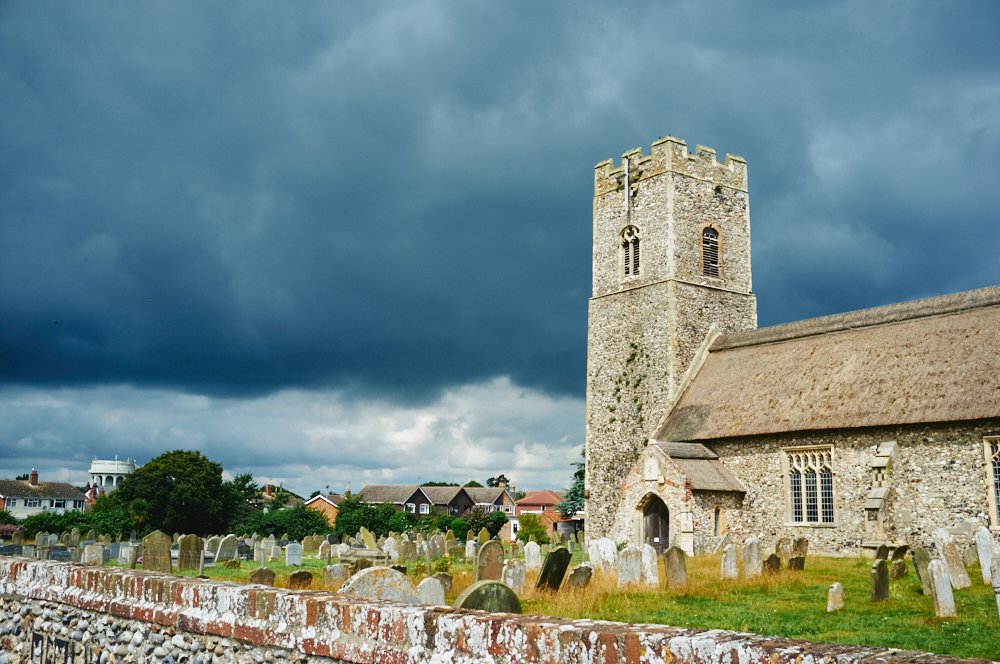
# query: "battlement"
{"points": [[670, 154]]}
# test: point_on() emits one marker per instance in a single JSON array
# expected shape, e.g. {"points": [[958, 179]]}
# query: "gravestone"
{"points": [[984, 551], [407, 552], [231, 564], [490, 596], [212, 544], [245, 551], [553, 569], [489, 561], [74, 537], [880, 580], [293, 554], [513, 574], [91, 535], [484, 536], [381, 583], [189, 549], [17, 538], [800, 547], [952, 557], [436, 545], [470, 549], [93, 554], [263, 576], [430, 592], [445, 580], [675, 567], [391, 548], [532, 556], [42, 540], [603, 554], [367, 538], [772, 565], [882, 551], [944, 599], [835, 598], [324, 550], [797, 563], [783, 548], [227, 549], [449, 539], [995, 574], [752, 565], [730, 563], [470, 535], [156, 552], [335, 572], [629, 566], [300, 579], [127, 554], [650, 570], [921, 559], [897, 566], [579, 577], [310, 545]]}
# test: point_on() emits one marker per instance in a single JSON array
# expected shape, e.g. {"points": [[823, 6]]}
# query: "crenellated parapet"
{"points": [[670, 154]]}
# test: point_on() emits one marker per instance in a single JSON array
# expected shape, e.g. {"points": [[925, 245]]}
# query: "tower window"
{"points": [[630, 251], [710, 252]]}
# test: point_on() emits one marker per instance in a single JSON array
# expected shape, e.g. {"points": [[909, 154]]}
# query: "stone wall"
{"points": [[71, 613]]}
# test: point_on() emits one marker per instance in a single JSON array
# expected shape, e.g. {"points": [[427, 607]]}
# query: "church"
{"points": [[855, 430]]}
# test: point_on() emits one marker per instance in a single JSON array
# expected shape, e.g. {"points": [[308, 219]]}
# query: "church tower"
{"points": [[671, 259]]}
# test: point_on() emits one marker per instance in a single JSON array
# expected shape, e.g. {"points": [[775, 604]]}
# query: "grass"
{"points": [[791, 604]]}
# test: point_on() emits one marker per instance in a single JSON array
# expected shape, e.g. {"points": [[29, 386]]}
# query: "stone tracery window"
{"points": [[992, 446], [810, 485], [630, 250]]}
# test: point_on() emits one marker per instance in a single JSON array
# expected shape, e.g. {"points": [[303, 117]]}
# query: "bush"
{"points": [[6, 517], [7, 530], [298, 522], [531, 528]]}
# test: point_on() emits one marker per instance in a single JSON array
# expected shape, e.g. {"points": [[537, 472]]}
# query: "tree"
{"points": [[498, 480], [353, 514], [244, 497], [439, 484], [530, 527], [477, 518], [496, 523], [574, 494], [474, 484], [184, 493], [298, 522], [7, 517]]}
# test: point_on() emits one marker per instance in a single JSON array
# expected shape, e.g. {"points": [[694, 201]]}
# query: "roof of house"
{"points": [[932, 360], [702, 467], [387, 493], [441, 495], [485, 495], [22, 489], [544, 497], [331, 498]]}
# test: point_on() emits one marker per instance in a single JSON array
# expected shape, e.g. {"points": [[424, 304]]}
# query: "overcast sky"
{"points": [[340, 243]]}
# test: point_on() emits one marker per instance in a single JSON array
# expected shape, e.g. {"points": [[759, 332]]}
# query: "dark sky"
{"points": [[330, 242]]}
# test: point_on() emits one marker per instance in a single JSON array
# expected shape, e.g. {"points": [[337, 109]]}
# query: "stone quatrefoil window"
{"points": [[810, 485], [993, 472], [630, 251], [710, 252]]}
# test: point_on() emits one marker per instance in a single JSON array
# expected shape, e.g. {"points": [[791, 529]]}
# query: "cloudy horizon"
{"points": [[336, 245]]}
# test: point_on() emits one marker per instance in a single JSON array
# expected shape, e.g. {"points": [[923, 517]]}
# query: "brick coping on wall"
{"points": [[326, 624]]}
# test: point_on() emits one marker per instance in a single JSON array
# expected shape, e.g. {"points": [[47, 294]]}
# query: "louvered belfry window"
{"points": [[710, 252], [630, 249], [815, 493]]}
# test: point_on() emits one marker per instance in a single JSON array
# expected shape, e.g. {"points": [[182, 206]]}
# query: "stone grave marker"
{"points": [[882, 551], [800, 547], [212, 544], [629, 566], [489, 561], [484, 536], [74, 537], [381, 583], [948, 551], [650, 570], [113, 550], [245, 551], [310, 545], [17, 538], [227, 549], [449, 539], [368, 538], [42, 540], [335, 572], [300, 579], [532, 556], [293, 554], [797, 563], [580, 576], [189, 549], [490, 596], [324, 550], [391, 548], [835, 598], [127, 554], [91, 535], [407, 552], [783, 548], [445, 580], [513, 574], [470, 535], [263, 576], [470, 548], [93, 554], [772, 565], [436, 545], [752, 565], [995, 574], [554, 569], [984, 551], [921, 559], [675, 567], [430, 592], [897, 566], [880, 580], [944, 599], [156, 552], [603, 553], [730, 563]]}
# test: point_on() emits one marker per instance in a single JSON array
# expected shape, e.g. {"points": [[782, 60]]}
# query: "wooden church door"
{"points": [[656, 522]]}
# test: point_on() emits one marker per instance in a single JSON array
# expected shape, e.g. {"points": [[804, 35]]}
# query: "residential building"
{"points": [[23, 498]]}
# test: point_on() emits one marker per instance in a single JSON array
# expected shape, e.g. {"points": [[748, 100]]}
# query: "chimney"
{"points": [[33, 478]]}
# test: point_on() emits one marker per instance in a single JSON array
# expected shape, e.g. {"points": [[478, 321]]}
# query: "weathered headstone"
{"points": [[470, 535], [17, 538], [944, 599], [772, 564], [445, 580], [921, 559], [484, 536], [407, 552], [310, 545], [227, 549], [367, 538], [513, 574], [491, 596], [263, 576], [430, 592], [650, 568], [127, 554], [675, 567], [629, 566], [783, 549], [995, 574], [580, 576], [189, 549], [835, 598], [752, 565], [74, 537], [93, 554], [381, 583], [797, 563], [324, 550], [489, 561], [800, 547], [335, 572], [156, 552], [882, 551], [952, 557], [436, 545], [730, 563], [880, 580], [300, 579], [293, 554], [470, 548], [984, 551], [391, 548], [603, 553], [212, 544], [532, 556], [553, 569]]}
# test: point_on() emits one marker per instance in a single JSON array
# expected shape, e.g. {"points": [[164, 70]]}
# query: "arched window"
{"points": [[630, 250], [810, 485], [710, 252]]}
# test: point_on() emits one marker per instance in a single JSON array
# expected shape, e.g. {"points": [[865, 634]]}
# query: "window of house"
{"points": [[993, 478], [810, 485], [78, 504], [710, 252], [630, 251], [411, 508], [425, 508], [12, 502], [32, 502], [59, 503], [509, 509]]}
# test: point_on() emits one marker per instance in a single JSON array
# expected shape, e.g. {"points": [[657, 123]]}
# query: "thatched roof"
{"points": [[933, 360]]}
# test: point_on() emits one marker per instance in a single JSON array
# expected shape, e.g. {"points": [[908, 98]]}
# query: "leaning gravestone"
{"points": [[921, 559], [532, 556], [948, 551], [675, 567], [513, 574], [751, 557], [156, 552], [629, 566], [367, 538], [944, 599], [293, 554], [381, 583], [300, 579], [263, 576], [984, 551], [650, 570], [835, 598], [490, 596], [430, 592], [227, 549], [772, 565], [212, 544], [880, 580], [489, 561], [730, 563], [189, 550], [580, 576], [553, 569]]}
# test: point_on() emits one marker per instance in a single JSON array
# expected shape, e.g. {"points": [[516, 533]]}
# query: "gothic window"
{"points": [[993, 479], [810, 485], [710, 252], [630, 251]]}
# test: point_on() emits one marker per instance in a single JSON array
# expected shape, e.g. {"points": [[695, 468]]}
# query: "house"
{"points": [[543, 503], [23, 498], [496, 499], [453, 500], [326, 504], [854, 430]]}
